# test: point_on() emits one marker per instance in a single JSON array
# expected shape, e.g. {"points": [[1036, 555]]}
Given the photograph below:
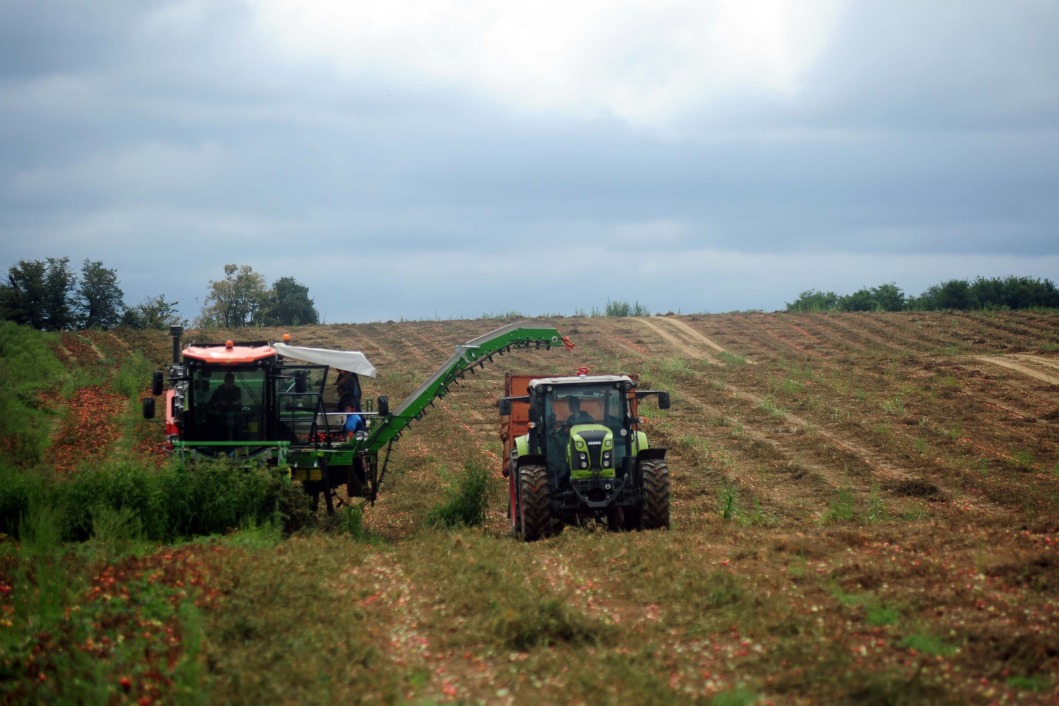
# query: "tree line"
{"points": [[983, 293], [49, 295]]}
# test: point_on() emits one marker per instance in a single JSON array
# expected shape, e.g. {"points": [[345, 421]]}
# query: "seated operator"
{"points": [[577, 416], [227, 397]]}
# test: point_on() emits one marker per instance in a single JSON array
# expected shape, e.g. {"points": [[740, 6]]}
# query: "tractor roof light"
{"points": [[229, 344]]}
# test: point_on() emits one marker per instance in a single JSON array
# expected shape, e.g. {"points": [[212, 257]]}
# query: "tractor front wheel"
{"points": [[656, 494], [534, 507]]}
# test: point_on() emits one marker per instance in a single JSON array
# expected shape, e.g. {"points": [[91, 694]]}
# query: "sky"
{"points": [[446, 159]]}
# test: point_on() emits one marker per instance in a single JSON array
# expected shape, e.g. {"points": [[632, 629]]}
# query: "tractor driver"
{"points": [[226, 397], [577, 416]]}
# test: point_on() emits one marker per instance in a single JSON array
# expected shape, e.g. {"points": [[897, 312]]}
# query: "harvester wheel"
{"points": [[534, 507], [656, 494]]}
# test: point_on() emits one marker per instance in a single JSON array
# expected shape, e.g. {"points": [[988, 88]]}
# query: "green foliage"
{"points": [[927, 644], [237, 300], [28, 367], [813, 300], [241, 299], [739, 696], [623, 308], [842, 508], [350, 521], [39, 294], [729, 501], [100, 300], [995, 293], [466, 503], [153, 313], [287, 303], [132, 374], [158, 504], [886, 297]]}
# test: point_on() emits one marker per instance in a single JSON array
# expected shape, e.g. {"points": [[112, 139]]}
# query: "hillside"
{"points": [[864, 510]]}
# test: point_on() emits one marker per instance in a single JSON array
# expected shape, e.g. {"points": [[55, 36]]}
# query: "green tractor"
{"points": [[573, 453]]}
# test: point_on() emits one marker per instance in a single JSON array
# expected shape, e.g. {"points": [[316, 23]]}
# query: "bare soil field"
{"points": [[865, 509]]}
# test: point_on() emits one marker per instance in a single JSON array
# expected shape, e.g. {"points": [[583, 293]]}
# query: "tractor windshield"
{"points": [[587, 404], [565, 407], [225, 405]]}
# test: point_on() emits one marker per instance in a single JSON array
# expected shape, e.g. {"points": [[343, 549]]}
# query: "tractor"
{"points": [[268, 402], [574, 453]]}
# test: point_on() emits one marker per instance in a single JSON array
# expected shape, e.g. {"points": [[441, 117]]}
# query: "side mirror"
{"points": [[384, 406], [148, 408], [156, 382], [663, 400], [504, 405]]}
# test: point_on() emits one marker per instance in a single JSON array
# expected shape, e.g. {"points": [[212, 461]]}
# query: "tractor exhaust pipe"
{"points": [[176, 332]]}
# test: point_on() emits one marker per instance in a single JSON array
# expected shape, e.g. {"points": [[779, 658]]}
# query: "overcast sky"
{"points": [[446, 158]]}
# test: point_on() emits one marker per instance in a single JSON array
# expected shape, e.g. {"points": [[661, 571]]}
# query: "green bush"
{"points": [[467, 502], [623, 308], [131, 501], [28, 367]]}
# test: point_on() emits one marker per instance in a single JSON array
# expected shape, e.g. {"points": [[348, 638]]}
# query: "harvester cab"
{"points": [[574, 451]]}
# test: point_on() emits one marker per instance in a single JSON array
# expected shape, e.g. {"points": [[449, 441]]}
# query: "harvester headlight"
{"points": [[360, 435], [624, 432], [580, 445], [584, 464]]}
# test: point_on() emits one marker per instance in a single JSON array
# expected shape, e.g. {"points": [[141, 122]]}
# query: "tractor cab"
{"points": [[586, 426]]}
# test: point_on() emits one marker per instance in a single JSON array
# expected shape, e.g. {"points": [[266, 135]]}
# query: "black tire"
{"points": [[514, 514], [534, 506], [656, 494], [632, 519]]}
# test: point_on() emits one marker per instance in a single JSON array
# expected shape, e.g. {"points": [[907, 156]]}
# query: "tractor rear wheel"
{"points": [[656, 494], [533, 502]]}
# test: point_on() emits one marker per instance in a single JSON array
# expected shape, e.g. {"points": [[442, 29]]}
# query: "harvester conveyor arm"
{"points": [[522, 334]]}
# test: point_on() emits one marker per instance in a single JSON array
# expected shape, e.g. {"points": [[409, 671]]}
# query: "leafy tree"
{"points": [[235, 301], [1014, 293], [861, 300], [951, 294], [38, 294], [101, 301], [889, 297], [22, 297], [813, 300], [59, 284], [153, 313], [886, 297], [288, 304]]}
